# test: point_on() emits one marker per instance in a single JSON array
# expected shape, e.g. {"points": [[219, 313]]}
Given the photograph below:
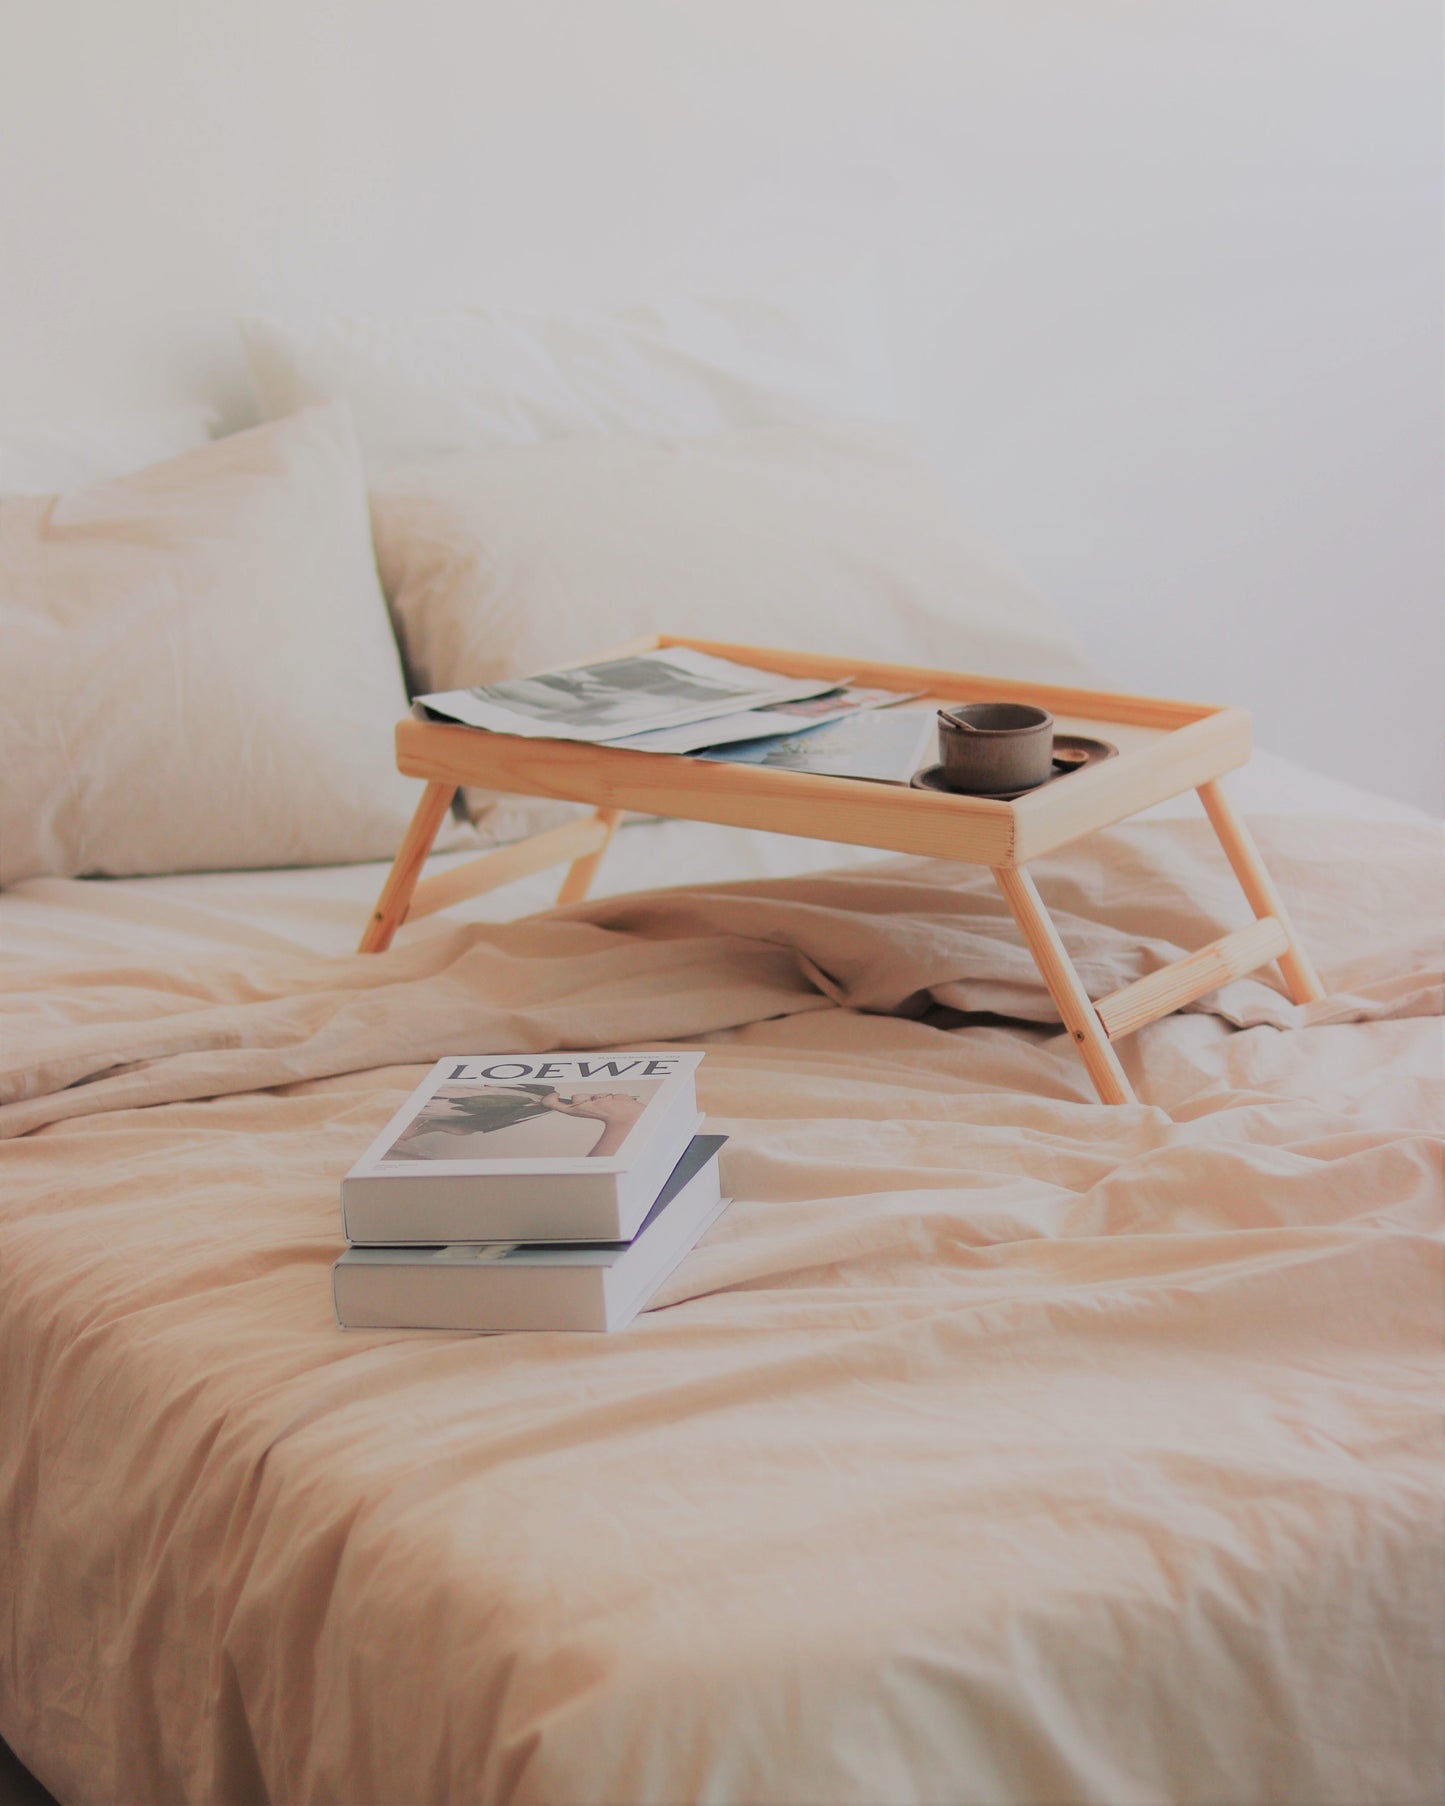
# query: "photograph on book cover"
{"points": [[527, 1121]]}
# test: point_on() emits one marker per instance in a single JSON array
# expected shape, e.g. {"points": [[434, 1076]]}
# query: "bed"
{"points": [[993, 1447]]}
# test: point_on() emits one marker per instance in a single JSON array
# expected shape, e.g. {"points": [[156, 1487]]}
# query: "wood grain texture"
{"points": [[1103, 794], [571, 840], [396, 893], [1301, 980], [743, 796], [583, 870], [970, 686], [1065, 987], [1167, 747], [1170, 988]]}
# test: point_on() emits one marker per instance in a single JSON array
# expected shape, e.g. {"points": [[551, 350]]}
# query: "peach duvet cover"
{"points": [[994, 1446]]}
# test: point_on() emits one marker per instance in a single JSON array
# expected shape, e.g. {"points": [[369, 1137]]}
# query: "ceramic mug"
{"points": [[1005, 746]]}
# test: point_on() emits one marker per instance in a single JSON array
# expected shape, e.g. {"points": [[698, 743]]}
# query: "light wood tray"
{"points": [[1165, 747]]}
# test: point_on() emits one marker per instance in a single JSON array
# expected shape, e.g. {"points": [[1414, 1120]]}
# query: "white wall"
{"points": [[1165, 275]]}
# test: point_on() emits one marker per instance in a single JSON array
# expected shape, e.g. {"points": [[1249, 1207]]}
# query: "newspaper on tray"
{"points": [[623, 697], [758, 724], [885, 745]]}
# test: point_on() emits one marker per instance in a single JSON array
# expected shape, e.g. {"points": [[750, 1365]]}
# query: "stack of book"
{"points": [[528, 1191]]}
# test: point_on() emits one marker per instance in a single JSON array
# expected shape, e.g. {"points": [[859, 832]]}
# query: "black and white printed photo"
{"points": [[618, 697], [530, 1121], [615, 693]]}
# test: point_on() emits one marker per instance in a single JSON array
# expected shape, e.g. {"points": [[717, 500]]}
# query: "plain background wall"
{"points": [[1164, 279]]}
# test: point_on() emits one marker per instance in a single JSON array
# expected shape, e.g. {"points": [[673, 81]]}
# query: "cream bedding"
{"points": [[995, 1446]]}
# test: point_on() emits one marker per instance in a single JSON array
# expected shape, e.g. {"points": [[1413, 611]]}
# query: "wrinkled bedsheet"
{"points": [[994, 1446]]}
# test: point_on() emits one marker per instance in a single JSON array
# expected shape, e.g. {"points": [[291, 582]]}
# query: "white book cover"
{"points": [[621, 696], [514, 1286], [525, 1147]]}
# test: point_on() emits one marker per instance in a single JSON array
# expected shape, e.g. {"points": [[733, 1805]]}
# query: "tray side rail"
{"points": [[1061, 699], [1190, 756], [742, 796]]}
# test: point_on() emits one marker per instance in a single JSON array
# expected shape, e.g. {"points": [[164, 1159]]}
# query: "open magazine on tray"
{"points": [[757, 724], [622, 697], [885, 746]]}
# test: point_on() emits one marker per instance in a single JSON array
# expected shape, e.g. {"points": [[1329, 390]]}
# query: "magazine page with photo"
{"points": [[621, 696], [759, 724], [884, 746]]}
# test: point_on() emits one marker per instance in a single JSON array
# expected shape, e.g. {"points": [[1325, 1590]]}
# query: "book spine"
{"points": [[468, 1298]]}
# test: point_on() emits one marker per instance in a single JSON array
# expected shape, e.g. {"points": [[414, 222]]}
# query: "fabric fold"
{"points": [[677, 964], [991, 1445]]}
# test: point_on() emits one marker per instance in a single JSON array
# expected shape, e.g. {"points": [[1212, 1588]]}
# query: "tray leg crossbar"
{"points": [[574, 840], [404, 899], [601, 827], [1095, 1027], [1171, 987]]}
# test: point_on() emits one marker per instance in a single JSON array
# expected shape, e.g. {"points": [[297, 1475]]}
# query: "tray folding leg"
{"points": [[1300, 978], [1096, 1026], [1064, 985], [578, 844], [395, 899]]}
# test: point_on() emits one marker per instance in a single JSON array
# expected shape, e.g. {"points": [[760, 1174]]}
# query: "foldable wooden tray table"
{"points": [[1164, 748]]}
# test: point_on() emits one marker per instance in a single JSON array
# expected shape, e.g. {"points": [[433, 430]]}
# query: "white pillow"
{"points": [[518, 558], [495, 375], [39, 457], [199, 672]]}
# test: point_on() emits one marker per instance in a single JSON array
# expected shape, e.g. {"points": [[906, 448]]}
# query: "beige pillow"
{"points": [[516, 558], [198, 671], [420, 385]]}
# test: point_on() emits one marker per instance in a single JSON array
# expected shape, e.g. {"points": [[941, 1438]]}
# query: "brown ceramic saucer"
{"points": [[1072, 752]]}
